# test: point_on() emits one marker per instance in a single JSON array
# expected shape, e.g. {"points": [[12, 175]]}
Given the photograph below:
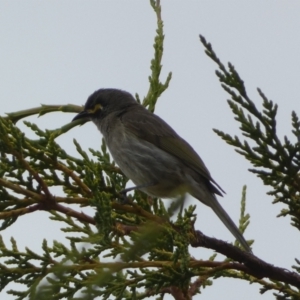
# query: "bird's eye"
{"points": [[96, 108]]}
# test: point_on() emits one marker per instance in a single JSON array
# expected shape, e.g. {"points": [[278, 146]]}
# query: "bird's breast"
{"points": [[144, 163]]}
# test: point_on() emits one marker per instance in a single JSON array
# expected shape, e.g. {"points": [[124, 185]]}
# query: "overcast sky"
{"points": [[59, 52]]}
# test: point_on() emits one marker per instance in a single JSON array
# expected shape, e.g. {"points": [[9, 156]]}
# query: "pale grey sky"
{"points": [[58, 52]]}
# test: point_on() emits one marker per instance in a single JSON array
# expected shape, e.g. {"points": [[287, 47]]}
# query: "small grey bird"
{"points": [[152, 154]]}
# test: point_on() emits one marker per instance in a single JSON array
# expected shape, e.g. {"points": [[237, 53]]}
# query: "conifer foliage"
{"points": [[141, 248]]}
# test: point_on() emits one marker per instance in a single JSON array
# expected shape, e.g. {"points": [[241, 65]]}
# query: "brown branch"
{"points": [[125, 229], [16, 212], [75, 214], [136, 209], [43, 204], [36, 176], [70, 173], [249, 263], [80, 216], [118, 265], [29, 201], [63, 168], [73, 200], [29, 205], [48, 206], [19, 190], [31, 171], [196, 285], [42, 110], [175, 292], [243, 261]]}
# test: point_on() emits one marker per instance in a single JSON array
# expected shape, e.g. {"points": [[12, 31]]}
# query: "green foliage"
{"points": [[141, 248], [128, 251], [156, 88], [276, 162], [30, 170]]}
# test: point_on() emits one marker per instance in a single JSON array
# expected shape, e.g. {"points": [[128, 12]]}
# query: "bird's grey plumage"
{"points": [[150, 152]]}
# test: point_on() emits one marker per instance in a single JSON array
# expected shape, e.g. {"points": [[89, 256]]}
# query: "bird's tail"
{"points": [[224, 217]]}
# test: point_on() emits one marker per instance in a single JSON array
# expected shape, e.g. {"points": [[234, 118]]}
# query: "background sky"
{"points": [[59, 52]]}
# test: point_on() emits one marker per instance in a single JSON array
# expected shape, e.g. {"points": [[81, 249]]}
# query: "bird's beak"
{"points": [[82, 115]]}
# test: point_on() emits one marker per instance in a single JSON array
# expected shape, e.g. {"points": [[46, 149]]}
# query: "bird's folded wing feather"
{"points": [[149, 127]]}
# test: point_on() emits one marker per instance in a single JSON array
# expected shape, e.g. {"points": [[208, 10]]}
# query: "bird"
{"points": [[150, 153]]}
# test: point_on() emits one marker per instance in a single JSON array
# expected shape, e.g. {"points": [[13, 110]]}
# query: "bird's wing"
{"points": [[153, 129]]}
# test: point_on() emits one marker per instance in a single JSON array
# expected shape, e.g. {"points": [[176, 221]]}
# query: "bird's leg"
{"points": [[123, 193]]}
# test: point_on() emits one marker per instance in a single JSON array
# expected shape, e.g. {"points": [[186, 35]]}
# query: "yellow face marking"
{"points": [[95, 109]]}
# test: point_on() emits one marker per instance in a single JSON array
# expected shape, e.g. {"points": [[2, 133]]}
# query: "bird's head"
{"points": [[104, 102]]}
